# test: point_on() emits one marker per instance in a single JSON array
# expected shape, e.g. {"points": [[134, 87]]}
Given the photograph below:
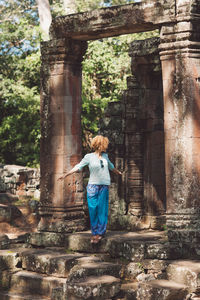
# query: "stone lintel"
{"points": [[113, 21]]}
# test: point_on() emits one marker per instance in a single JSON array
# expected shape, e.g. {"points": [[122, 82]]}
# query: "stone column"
{"points": [[61, 201], [180, 56]]}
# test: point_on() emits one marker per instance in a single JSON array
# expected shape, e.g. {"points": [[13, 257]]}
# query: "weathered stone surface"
{"points": [[7, 198], [46, 239], [154, 264], [9, 213], [133, 269], [81, 271], [163, 250], [145, 277], [24, 282], [129, 290], [61, 200], [10, 259], [4, 241], [132, 246], [5, 277], [161, 290], [181, 101], [5, 213], [101, 287], [20, 181], [186, 272], [13, 296], [53, 263]]}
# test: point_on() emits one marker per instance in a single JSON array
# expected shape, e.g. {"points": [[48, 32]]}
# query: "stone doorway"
{"points": [[135, 127], [178, 22]]}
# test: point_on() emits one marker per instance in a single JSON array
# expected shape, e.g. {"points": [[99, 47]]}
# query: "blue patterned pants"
{"points": [[97, 197]]}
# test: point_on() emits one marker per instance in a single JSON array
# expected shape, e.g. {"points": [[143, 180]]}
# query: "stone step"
{"points": [[132, 246], [12, 296], [93, 287], [129, 291], [161, 290], [49, 262], [185, 272], [25, 282], [138, 249], [87, 269]]}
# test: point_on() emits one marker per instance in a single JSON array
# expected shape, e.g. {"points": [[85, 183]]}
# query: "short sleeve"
{"points": [[84, 162]]}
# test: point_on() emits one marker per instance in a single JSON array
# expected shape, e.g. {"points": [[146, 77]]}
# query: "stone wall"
{"points": [[20, 181]]}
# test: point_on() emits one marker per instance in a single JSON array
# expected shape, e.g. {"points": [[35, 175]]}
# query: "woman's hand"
{"points": [[72, 171], [62, 177], [117, 171]]}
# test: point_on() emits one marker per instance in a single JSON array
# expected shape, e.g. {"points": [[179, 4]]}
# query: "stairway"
{"points": [[124, 266]]}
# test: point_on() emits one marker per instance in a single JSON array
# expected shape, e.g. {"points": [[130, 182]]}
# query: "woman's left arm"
{"points": [[112, 168], [116, 171]]}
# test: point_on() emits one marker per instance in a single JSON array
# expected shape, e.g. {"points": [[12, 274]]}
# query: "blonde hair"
{"points": [[99, 143]]}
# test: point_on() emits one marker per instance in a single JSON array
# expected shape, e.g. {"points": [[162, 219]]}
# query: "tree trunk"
{"points": [[45, 17], [69, 6]]}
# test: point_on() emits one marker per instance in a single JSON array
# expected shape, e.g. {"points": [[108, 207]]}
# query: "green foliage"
{"points": [[105, 69], [19, 83], [20, 129]]}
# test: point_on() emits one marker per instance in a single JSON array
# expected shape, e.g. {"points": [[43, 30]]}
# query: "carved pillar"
{"points": [[180, 56], [145, 134], [134, 149], [61, 201]]}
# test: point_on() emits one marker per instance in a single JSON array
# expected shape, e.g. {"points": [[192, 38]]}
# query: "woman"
{"points": [[98, 185]]}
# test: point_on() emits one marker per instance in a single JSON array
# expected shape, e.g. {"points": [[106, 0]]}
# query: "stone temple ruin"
{"points": [[155, 131]]}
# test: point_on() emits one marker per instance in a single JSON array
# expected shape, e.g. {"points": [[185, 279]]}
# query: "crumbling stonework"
{"points": [[20, 181]]}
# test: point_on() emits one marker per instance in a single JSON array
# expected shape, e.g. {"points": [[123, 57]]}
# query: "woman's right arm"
{"points": [[72, 171], [84, 162]]}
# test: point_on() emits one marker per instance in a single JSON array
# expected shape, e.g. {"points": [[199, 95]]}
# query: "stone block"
{"points": [[185, 272], [128, 291], [5, 213], [5, 277], [101, 287], [164, 250], [145, 277], [130, 250], [48, 262], [155, 264], [132, 270], [48, 239], [4, 241], [161, 290], [14, 296], [58, 294], [83, 270], [24, 282], [10, 260], [7, 198]]}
